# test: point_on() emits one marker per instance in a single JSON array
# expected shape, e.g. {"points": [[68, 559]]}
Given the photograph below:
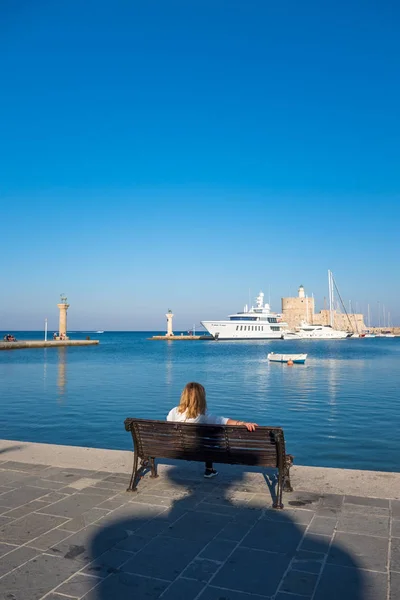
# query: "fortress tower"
{"points": [[298, 309]]}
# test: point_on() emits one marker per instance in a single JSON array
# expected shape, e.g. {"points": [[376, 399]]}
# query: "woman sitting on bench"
{"points": [[193, 409]]}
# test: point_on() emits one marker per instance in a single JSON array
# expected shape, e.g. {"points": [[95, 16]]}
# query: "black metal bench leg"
{"points": [[278, 501], [153, 468], [132, 486], [287, 486]]}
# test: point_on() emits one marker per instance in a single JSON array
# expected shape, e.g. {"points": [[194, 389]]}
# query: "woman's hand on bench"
{"points": [[249, 426]]}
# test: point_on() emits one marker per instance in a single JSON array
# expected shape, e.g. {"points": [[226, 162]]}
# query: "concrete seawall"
{"points": [[43, 344]]}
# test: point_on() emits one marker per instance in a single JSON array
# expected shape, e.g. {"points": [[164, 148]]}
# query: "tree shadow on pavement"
{"points": [[183, 537]]}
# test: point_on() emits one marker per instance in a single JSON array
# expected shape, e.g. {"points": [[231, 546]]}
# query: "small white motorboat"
{"points": [[298, 359]]}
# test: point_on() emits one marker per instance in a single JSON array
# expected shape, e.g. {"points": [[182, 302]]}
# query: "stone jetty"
{"points": [[45, 344]]}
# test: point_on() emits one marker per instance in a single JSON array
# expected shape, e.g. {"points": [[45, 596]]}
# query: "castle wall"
{"points": [[341, 321]]}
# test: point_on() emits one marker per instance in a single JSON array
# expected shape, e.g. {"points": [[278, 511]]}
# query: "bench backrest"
{"points": [[222, 443]]}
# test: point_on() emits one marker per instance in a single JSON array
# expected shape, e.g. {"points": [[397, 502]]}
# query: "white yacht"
{"points": [[258, 323], [321, 332]]}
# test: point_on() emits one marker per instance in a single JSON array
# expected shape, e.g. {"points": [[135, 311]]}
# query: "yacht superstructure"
{"points": [[315, 332], [256, 323]]}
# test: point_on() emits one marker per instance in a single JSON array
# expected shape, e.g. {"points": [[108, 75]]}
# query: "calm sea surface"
{"points": [[341, 409]]}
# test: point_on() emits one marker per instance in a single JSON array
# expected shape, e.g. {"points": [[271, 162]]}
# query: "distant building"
{"points": [[301, 308]]}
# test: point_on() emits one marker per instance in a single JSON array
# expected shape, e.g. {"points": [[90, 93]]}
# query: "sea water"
{"points": [[340, 409]]}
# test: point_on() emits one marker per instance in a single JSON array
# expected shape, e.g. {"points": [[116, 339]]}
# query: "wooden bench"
{"points": [[234, 445]]}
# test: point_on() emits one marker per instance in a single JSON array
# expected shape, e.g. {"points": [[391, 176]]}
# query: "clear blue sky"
{"points": [[176, 154]]}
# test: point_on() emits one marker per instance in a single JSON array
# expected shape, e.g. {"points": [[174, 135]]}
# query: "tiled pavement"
{"points": [[71, 533]]}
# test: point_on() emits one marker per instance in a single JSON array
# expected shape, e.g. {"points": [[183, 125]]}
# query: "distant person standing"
{"points": [[193, 409]]}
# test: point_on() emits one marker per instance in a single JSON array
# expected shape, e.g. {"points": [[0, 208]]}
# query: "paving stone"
{"points": [[164, 558], [113, 504], [201, 569], [197, 526], [6, 548], [35, 578], [382, 502], [394, 586], [107, 563], [88, 518], [44, 484], [82, 483], [78, 585], [161, 524], [5, 520], [395, 506], [313, 542], [102, 494], [301, 516], [395, 555], [282, 596], [274, 536], [310, 562], [134, 543], [216, 509], [365, 510], [28, 528], [13, 477], [327, 511], [14, 559], [26, 467], [125, 585], [21, 496], [322, 525], [218, 550], [367, 552], [47, 540], [302, 499], [109, 485], [183, 589], [331, 501], [88, 544], [65, 477], [155, 500], [231, 498], [351, 584], [299, 582], [395, 528], [72, 506], [215, 593], [53, 497], [252, 571], [25, 509], [356, 523]]}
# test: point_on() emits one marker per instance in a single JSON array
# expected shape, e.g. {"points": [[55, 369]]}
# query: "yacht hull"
{"points": [[230, 330]]}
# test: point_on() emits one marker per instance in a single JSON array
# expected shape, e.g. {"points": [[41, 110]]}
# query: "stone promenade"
{"points": [[75, 533]]}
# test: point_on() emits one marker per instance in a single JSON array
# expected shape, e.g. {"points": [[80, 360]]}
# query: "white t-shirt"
{"points": [[207, 419]]}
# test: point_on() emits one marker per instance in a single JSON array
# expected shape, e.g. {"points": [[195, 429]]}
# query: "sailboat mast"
{"points": [[330, 286]]}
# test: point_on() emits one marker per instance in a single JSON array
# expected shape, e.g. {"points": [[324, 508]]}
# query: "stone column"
{"points": [[169, 316], [62, 328]]}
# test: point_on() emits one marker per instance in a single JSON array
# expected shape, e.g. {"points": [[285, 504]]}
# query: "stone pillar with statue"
{"points": [[62, 328]]}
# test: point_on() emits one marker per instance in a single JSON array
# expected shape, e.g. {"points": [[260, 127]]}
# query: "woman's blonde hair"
{"points": [[193, 400]]}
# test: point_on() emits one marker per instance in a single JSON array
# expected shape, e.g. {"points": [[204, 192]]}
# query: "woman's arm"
{"points": [[249, 426]]}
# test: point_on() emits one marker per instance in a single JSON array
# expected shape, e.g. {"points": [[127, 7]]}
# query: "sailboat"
{"points": [[320, 332], [369, 334]]}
